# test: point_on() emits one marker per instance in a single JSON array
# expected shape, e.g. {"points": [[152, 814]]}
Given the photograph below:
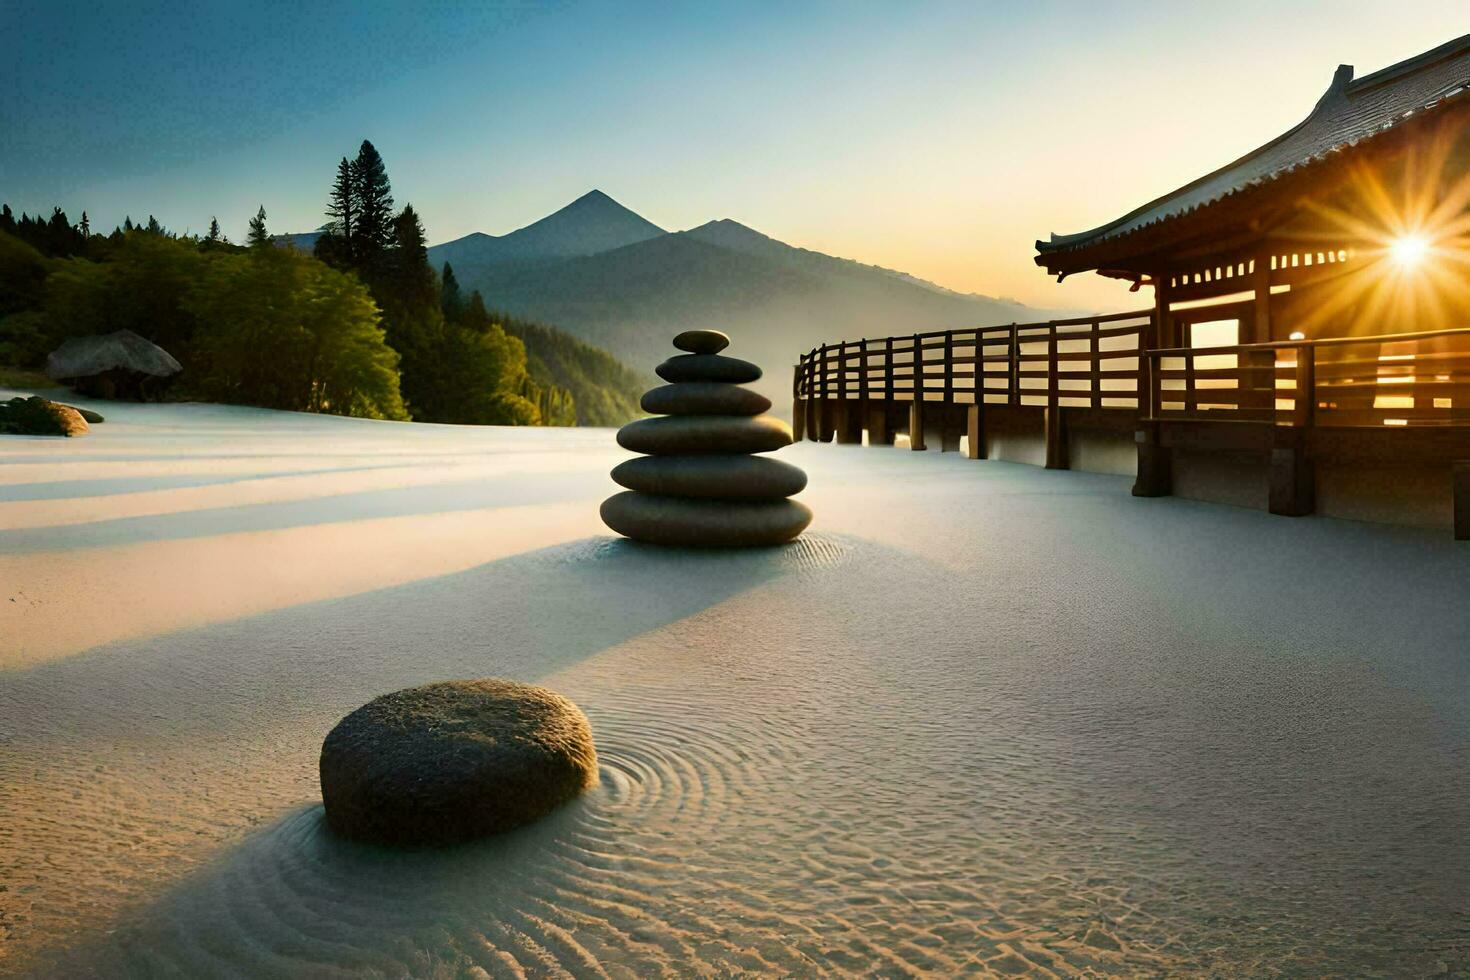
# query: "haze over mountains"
{"points": [[609, 276]]}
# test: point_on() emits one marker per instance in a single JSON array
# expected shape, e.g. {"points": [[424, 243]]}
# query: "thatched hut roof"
{"points": [[82, 357]]}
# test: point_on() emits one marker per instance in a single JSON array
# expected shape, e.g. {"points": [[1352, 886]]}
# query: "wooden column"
{"points": [[826, 418], [1155, 475], [1056, 431], [1261, 282], [798, 403], [1293, 491], [949, 433], [916, 407], [975, 424]]}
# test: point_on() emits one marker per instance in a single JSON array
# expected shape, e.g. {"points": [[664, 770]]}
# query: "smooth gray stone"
{"points": [[702, 341], [700, 435], [704, 523], [704, 398], [708, 367], [728, 477], [452, 761]]}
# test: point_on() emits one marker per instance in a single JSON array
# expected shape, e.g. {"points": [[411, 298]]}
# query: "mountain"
{"points": [[776, 301], [592, 223], [604, 390]]}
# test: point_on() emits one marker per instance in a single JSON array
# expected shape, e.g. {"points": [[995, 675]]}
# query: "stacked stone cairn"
{"points": [[699, 482]]}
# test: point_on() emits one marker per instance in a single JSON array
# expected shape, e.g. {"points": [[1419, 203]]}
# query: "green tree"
{"points": [[342, 207], [283, 330], [451, 300], [373, 232], [258, 237], [214, 232]]}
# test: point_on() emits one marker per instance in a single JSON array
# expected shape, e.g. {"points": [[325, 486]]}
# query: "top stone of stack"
{"points": [[702, 341]]}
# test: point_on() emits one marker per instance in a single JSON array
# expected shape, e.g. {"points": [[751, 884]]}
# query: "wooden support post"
{"points": [[798, 419], [1095, 362], [916, 407], [1293, 487], [1155, 463], [1056, 429], [975, 426], [949, 432], [880, 433], [1261, 281], [1013, 367], [1460, 475], [1057, 456]]}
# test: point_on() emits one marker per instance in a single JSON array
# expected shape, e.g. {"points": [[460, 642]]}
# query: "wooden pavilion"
{"points": [[1308, 349], [1314, 292]]}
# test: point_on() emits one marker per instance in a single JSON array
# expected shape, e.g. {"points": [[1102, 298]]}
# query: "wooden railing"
{"points": [[1085, 362], [1405, 379]]}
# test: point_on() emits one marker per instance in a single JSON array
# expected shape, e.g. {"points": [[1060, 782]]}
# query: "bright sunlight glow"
{"points": [[1409, 250]]}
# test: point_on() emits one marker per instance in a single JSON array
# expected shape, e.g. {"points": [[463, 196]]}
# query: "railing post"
{"points": [[1155, 475], [825, 421], [880, 426], [949, 438], [848, 421], [1013, 367], [916, 407], [1292, 478], [1056, 433], [798, 408], [1096, 362]]}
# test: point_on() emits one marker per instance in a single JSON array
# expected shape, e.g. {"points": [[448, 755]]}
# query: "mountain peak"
{"points": [[592, 223]]}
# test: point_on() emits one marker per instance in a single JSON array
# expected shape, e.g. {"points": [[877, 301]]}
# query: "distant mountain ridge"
{"points": [[592, 223], [603, 273]]}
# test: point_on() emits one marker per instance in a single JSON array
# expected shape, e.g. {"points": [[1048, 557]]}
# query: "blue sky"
{"points": [[938, 138]]}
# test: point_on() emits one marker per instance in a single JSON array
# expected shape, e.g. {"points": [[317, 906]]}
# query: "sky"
{"points": [[941, 139]]}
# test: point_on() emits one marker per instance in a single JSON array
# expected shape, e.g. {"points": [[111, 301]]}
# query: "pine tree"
{"points": [[373, 233], [450, 298], [342, 208], [127, 223], [214, 234], [85, 227], [258, 237], [154, 228], [7, 220]]}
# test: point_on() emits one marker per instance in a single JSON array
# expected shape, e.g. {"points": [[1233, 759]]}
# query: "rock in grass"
{"points": [[732, 477], [702, 341], [704, 398], [704, 523], [35, 416], [699, 435], [453, 761], [708, 367]]}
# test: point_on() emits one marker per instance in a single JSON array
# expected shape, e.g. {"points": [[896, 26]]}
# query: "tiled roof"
{"points": [[1351, 112]]}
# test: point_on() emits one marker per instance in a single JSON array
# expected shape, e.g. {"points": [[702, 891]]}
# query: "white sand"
{"points": [[984, 717]]}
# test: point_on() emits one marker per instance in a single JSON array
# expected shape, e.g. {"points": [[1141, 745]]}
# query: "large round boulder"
{"points": [[697, 523], [453, 761]]}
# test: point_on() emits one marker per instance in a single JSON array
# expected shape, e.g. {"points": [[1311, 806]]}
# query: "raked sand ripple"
{"points": [[987, 728]]}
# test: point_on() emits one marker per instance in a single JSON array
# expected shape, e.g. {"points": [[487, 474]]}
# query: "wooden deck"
{"points": [[1380, 401]]}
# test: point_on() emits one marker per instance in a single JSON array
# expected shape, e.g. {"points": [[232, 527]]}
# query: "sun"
{"points": [[1408, 251]]}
